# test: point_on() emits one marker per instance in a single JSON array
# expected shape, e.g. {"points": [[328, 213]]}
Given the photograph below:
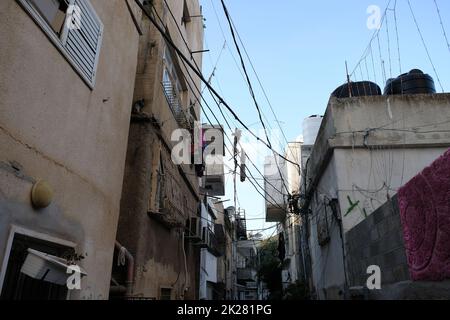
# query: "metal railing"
{"points": [[175, 104]]}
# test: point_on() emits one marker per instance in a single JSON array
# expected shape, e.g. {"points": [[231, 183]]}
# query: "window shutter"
{"points": [[84, 38]]}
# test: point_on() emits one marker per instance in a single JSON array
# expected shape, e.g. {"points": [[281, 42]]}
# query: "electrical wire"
{"points": [[250, 86], [424, 44], [205, 81], [374, 35], [230, 51], [442, 25], [259, 81], [388, 46], [256, 184], [261, 85], [398, 42], [251, 63], [173, 17]]}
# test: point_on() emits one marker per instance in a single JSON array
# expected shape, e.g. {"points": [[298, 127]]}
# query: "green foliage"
{"points": [[270, 267], [270, 272], [296, 291]]}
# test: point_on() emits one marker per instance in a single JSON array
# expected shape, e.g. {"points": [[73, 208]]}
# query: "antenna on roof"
{"points": [[348, 80]]}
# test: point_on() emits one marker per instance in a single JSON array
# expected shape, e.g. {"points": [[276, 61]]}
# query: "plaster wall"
{"points": [[60, 130]]}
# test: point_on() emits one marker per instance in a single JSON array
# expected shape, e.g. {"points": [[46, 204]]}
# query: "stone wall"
{"points": [[378, 240]]}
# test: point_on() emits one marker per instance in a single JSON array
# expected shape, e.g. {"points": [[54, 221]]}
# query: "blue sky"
{"points": [[299, 49]]}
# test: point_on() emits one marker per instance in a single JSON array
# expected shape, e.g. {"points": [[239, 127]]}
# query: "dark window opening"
{"points": [[166, 294], [18, 286], [53, 11]]}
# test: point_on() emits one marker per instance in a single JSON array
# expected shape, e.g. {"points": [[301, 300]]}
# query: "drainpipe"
{"points": [[130, 269], [186, 284]]}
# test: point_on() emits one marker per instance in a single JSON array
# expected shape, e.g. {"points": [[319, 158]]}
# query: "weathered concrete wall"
{"points": [[150, 68], [60, 130], [369, 177], [291, 224], [327, 259], [368, 147], [156, 265], [291, 229], [158, 248], [226, 259], [379, 143]]}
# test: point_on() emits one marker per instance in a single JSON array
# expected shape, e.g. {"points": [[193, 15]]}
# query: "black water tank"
{"points": [[358, 89], [413, 82]]}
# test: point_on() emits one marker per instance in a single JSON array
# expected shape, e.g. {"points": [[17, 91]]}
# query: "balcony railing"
{"points": [[176, 106]]}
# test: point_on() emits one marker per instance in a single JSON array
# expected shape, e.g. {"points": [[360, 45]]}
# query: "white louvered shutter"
{"points": [[83, 42]]}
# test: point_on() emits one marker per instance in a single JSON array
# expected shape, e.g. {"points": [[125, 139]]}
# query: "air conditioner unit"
{"points": [[193, 229], [45, 267], [205, 236]]}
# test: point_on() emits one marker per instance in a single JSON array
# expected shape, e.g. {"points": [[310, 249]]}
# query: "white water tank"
{"points": [[311, 126]]}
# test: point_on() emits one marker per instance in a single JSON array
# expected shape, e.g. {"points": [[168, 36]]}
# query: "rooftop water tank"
{"points": [[358, 89], [311, 126], [413, 82]]}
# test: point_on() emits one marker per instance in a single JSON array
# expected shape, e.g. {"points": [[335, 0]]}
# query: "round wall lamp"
{"points": [[41, 195]]}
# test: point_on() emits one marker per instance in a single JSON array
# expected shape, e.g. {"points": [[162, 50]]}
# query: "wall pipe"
{"points": [[130, 269]]}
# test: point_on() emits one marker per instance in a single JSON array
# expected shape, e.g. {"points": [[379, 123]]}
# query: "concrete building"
{"points": [[224, 233], [241, 259], [212, 276], [282, 188], [64, 115], [367, 148], [246, 270], [290, 226], [227, 263], [160, 221]]}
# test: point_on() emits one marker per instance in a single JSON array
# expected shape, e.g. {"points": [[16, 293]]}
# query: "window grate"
{"points": [[166, 294], [175, 105]]}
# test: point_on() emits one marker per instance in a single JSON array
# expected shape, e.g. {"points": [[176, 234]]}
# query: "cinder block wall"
{"points": [[378, 240]]}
